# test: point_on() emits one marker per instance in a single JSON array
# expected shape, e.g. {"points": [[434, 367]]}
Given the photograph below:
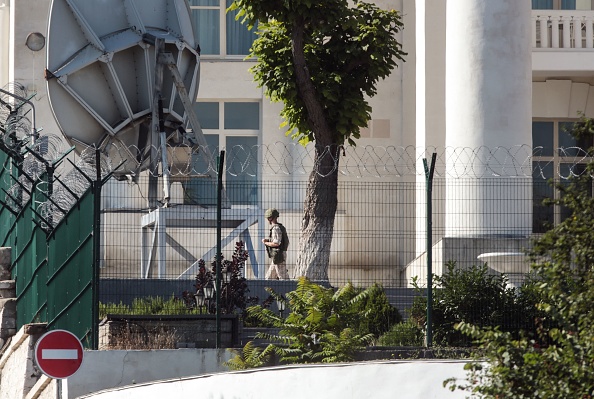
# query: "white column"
{"points": [[488, 110], [4, 40], [430, 45]]}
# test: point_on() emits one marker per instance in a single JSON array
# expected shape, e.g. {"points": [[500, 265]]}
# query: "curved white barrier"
{"points": [[422, 379]]}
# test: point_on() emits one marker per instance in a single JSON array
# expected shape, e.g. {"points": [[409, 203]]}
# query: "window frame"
{"points": [[557, 161], [557, 5], [223, 134], [222, 8]]}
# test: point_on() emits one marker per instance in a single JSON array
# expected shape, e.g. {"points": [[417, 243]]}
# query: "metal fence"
{"points": [[486, 208]]}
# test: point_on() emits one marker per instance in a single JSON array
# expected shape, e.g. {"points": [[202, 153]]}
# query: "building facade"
{"points": [[479, 75]]}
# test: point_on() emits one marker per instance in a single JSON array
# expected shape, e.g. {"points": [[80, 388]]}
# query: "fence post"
{"points": [[429, 185], [218, 263], [96, 250]]}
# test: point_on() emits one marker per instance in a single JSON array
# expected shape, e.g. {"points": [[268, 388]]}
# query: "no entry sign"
{"points": [[59, 353]]}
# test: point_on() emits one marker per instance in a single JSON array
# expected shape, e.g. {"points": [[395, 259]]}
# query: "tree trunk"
{"points": [[317, 225]]}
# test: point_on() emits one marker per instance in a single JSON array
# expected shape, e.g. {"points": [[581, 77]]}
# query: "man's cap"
{"points": [[271, 213]]}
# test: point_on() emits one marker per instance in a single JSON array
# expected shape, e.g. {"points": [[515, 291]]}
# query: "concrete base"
{"points": [[465, 252]]}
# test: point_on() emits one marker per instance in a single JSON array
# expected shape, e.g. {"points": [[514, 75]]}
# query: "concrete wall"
{"points": [[18, 373], [111, 369], [388, 379]]}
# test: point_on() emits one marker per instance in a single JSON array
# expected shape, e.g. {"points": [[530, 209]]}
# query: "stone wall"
{"points": [[7, 298], [19, 377], [168, 332]]}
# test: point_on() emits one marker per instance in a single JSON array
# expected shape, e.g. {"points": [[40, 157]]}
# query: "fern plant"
{"points": [[322, 325], [251, 357]]}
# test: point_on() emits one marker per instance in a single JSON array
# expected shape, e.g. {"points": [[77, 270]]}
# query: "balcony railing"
{"points": [[562, 29]]}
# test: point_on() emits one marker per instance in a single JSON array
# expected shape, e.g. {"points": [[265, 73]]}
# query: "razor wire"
{"points": [[291, 159], [366, 161]]}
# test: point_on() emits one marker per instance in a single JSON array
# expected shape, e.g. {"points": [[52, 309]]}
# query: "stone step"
{"points": [[7, 317], [7, 289]]}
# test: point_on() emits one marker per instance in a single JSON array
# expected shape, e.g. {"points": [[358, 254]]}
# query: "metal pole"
{"points": [[218, 262], [429, 184], [96, 250]]}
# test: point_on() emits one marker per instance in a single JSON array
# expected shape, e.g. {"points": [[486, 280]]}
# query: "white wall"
{"points": [[109, 369], [420, 379]]}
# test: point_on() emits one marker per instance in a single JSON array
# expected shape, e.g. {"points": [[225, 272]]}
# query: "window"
{"points": [[217, 31], [562, 5], [234, 126], [557, 155]]}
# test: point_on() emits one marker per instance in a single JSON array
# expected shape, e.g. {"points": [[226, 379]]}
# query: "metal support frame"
{"points": [[156, 241]]}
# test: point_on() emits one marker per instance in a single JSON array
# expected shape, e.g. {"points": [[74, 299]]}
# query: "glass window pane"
{"points": [[241, 161], [542, 138], [202, 190], [204, 2], [542, 4], [542, 215], [568, 4], [239, 37], [207, 30], [242, 116], [208, 114], [569, 146]]}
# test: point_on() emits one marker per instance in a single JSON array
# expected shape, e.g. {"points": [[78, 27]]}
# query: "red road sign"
{"points": [[59, 353]]}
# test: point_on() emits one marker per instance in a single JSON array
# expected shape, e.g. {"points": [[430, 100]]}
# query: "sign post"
{"points": [[59, 354]]}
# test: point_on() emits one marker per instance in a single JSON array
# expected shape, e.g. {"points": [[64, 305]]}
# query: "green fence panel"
{"points": [[29, 267], [71, 272], [7, 219]]}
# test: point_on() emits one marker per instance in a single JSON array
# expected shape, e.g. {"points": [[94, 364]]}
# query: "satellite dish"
{"points": [[101, 64]]}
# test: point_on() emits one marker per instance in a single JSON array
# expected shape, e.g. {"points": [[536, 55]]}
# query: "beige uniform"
{"points": [[277, 271]]}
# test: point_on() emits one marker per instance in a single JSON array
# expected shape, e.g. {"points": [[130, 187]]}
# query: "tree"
{"points": [[322, 59], [557, 362]]}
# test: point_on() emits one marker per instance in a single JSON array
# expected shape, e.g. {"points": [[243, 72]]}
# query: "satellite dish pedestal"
{"points": [[158, 134]]}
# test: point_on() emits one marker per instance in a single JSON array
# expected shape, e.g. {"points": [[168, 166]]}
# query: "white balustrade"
{"points": [[562, 29]]}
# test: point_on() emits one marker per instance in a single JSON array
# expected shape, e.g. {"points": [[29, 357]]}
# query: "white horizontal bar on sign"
{"points": [[59, 354]]}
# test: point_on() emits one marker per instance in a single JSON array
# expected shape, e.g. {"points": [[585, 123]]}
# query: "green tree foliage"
{"points": [[322, 325], [322, 60], [477, 297], [557, 363], [407, 333], [251, 357], [378, 314]]}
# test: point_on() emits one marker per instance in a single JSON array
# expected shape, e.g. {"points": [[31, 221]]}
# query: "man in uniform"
{"points": [[276, 248]]}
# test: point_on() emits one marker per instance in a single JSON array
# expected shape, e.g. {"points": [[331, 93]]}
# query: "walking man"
{"points": [[276, 247]]}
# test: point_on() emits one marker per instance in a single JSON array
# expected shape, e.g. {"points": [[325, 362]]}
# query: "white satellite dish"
{"points": [[101, 68]]}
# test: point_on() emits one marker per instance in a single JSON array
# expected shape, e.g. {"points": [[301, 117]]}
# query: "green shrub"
{"points": [[474, 296], [407, 333], [147, 306], [378, 314], [112, 308], [320, 326], [250, 357]]}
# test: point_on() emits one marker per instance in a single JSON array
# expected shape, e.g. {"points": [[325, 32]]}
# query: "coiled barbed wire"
{"points": [[289, 159], [11, 105], [69, 188], [368, 161]]}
